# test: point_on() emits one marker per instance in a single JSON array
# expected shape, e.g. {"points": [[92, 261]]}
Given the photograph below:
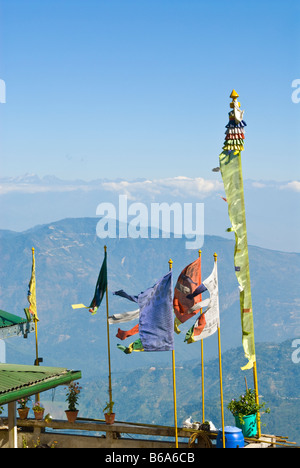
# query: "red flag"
{"points": [[122, 335], [187, 282]]}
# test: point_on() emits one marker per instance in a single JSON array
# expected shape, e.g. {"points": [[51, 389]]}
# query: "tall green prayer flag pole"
{"points": [[231, 170]]}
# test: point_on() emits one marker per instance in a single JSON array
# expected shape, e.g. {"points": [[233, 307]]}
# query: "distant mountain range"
{"points": [[272, 207], [68, 258]]}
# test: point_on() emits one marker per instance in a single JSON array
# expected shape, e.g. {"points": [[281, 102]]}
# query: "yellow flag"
{"points": [[32, 291]]}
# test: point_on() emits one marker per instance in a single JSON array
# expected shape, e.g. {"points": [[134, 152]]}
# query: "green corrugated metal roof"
{"points": [[7, 319], [13, 325], [18, 381]]}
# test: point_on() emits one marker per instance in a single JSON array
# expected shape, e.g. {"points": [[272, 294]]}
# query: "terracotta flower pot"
{"points": [[23, 413], [71, 415], [109, 418], [39, 414]]}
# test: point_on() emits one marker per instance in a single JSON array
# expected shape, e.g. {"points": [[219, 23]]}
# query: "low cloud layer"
{"points": [[179, 187], [176, 186], [294, 186]]}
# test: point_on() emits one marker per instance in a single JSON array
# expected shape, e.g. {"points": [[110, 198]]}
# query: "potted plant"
{"points": [[205, 426], [72, 399], [38, 410], [108, 413], [23, 409], [245, 410]]}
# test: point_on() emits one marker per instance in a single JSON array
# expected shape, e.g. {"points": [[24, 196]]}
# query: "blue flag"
{"points": [[155, 319]]}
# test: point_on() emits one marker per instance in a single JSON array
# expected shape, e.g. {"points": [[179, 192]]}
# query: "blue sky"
{"points": [[140, 88]]}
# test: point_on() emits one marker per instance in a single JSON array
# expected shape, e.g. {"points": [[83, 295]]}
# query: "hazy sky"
{"points": [[140, 88]]}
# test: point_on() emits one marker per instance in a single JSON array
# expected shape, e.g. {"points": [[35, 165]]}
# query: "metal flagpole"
{"points": [[174, 381], [221, 380], [256, 398], [202, 360], [108, 340], [37, 362], [202, 383], [35, 312]]}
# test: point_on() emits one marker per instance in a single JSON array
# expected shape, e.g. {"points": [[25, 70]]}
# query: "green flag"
{"points": [[137, 345], [99, 290], [231, 170]]}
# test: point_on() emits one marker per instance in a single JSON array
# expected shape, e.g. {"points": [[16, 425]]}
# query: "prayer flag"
{"points": [[231, 170], [155, 325], [122, 335], [100, 290], [185, 303], [31, 295], [125, 317], [202, 329]]}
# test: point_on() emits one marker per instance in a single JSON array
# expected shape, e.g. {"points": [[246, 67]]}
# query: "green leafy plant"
{"points": [[24, 443], [73, 395], [37, 407], [23, 402], [245, 405], [109, 407]]}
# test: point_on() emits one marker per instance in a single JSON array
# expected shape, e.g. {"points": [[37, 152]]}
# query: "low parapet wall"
{"points": [[87, 433]]}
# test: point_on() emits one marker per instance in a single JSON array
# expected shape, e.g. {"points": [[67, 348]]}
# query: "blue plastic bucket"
{"points": [[233, 437], [249, 428]]}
